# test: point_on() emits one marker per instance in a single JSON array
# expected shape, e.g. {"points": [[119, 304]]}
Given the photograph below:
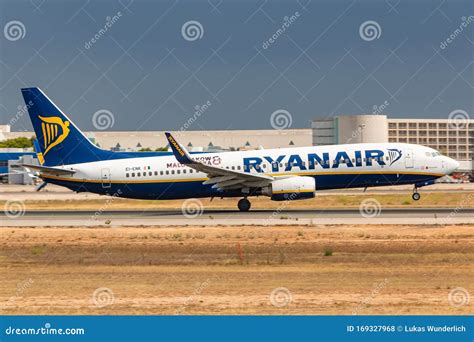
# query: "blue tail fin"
{"points": [[59, 140]]}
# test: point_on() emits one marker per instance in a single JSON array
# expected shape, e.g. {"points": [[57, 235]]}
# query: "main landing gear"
{"points": [[244, 204], [416, 196]]}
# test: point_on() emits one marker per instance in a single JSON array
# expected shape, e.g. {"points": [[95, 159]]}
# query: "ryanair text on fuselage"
{"points": [[287, 163]]}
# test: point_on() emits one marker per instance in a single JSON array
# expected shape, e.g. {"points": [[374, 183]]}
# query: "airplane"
{"points": [[70, 159]]}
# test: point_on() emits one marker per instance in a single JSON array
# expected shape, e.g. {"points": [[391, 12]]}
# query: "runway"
{"points": [[225, 217]]}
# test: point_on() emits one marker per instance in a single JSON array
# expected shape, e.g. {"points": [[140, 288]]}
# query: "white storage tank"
{"points": [[364, 128]]}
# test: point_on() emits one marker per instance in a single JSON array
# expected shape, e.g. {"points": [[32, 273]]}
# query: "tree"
{"points": [[20, 142]]}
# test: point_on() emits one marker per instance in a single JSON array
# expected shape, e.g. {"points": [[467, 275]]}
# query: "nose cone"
{"points": [[451, 166]]}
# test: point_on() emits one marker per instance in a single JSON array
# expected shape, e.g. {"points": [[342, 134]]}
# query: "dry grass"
{"points": [[397, 200], [233, 270]]}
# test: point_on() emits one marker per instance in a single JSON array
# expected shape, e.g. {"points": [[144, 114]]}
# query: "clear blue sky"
{"points": [[150, 77]]}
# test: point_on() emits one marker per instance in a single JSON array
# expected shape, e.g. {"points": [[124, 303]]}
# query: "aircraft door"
{"points": [[409, 162], [105, 176]]}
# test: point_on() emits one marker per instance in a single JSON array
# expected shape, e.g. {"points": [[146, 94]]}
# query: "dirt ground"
{"points": [[238, 270]]}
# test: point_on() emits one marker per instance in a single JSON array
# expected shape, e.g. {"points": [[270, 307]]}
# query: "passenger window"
{"points": [[138, 174], [156, 173], [150, 173], [184, 171], [167, 172], [172, 172], [161, 173], [126, 175], [178, 172], [238, 167]]}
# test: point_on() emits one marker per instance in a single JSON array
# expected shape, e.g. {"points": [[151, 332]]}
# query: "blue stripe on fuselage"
{"points": [[195, 189]]}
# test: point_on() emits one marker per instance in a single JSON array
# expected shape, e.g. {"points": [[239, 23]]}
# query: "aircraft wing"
{"points": [[48, 170], [223, 179], [10, 173]]}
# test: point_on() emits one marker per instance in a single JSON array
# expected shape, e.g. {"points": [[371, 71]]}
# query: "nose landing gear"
{"points": [[416, 196], [244, 204]]}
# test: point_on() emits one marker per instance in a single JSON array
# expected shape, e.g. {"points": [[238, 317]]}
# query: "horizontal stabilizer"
{"points": [[55, 171]]}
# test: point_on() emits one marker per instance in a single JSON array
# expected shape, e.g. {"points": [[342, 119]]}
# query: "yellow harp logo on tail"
{"points": [[54, 131]]}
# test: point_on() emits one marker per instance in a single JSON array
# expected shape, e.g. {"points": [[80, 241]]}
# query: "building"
{"points": [[350, 129], [456, 140], [195, 140], [12, 156]]}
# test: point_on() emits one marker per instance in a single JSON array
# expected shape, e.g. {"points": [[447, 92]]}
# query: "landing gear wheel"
{"points": [[244, 204], [416, 196]]}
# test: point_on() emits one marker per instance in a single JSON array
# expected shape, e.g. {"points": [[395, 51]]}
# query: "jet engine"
{"points": [[291, 188]]}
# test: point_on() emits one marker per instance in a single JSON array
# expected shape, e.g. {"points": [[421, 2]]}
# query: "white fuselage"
{"points": [[332, 166]]}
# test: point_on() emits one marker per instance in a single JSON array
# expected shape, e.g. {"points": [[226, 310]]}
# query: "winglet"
{"points": [[180, 153]]}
